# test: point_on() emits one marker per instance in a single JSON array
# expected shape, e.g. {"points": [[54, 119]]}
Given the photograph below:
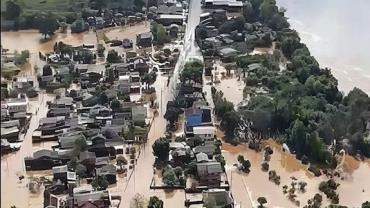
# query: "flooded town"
{"points": [[176, 103]]}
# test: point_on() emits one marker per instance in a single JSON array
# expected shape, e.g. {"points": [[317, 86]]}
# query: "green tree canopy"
{"points": [[46, 23], [155, 202], [161, 148], [13, 10]]}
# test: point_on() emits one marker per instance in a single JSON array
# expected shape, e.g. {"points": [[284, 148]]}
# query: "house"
{"points": [[11, 134], [17, 105], [109, 171], [141, 66], [229, 5], [201, 157], [61, 173], [63, 102], [127, 43], [53, 112], [138, 114], [124, 84], [90, 198], [99, 23], [144, 39], [209, 173], [68, 142], [79, 26], [227, 54], [193, 117], [206, 133], [164, 9], [209, 149], [173, 29], [43, 160], [88, 159], [168, 19], [217, 198]]}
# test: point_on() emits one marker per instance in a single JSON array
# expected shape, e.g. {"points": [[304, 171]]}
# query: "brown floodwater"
{"points": [[33, 41], [13, 191], [230, 85], [246, 188]]}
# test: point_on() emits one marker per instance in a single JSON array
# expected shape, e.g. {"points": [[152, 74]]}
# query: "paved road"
{"points": [[190, 48]]}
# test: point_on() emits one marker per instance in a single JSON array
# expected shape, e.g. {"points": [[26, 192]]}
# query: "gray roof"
{"points": [[208, 149], [87, 155], [145, 35], [228, 52], [80, 198], [209, 168], [60, 169], [202, 157], [45, 152], [65, 101], [11, 123], [106, 169]]}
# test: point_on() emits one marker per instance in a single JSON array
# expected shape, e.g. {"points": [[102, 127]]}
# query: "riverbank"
{"points": [[337, 41]]}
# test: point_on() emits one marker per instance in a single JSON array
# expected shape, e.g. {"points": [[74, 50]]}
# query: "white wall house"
{"points": [[207, 133], [17, 105]]}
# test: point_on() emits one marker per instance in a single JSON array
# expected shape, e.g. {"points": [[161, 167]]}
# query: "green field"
{"points": [[50, 5]]}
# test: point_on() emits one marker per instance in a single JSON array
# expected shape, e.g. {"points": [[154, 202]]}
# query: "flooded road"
{"points": [[142, 176], [190, 48]]}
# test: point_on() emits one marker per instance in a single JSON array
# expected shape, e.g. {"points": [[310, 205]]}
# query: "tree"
{"points": [[80, 145], [178, 171], [13, 10], [159, 33], [138, 201], [115, 105], [139, 4], [161, 148], [22, 58], [99, 4], [100, 183], [149, 79], [230, 122], [46, 23], [80, 170], [248, 11], [289, 45], [298, 137], [169, 176], [267, 9], [155, 202], [113, 57], [121, 161], [302, 186], [261, 201], [100, 50], [102, 99], [366, 204], [192, 71]]}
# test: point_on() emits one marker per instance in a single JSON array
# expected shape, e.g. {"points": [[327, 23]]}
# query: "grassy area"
{"points": [[50, 5]]}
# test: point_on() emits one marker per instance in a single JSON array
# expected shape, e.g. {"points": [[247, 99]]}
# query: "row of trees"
{"points": [[226, 113]]}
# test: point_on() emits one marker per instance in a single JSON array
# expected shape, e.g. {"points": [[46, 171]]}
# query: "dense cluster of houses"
{"points": [[199, 147], [15, 111], [222, 34]]}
